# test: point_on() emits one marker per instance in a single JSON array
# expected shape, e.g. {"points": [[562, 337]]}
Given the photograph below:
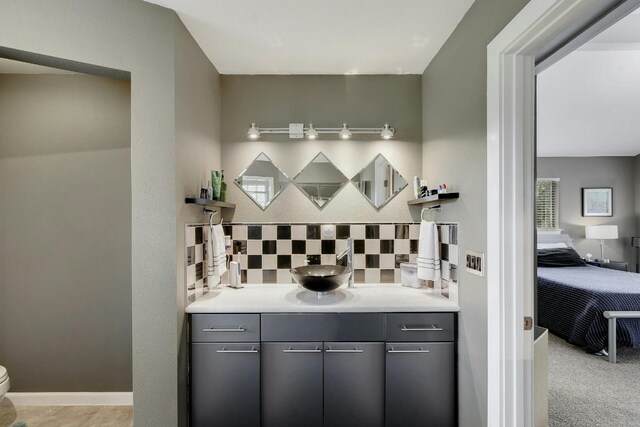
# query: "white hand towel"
{"points": [[429, 252], [216, 255]]}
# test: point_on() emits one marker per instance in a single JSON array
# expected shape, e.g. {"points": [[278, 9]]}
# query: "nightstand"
{"points": [[613, 265]]}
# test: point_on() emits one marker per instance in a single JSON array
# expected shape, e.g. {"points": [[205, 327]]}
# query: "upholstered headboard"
{"points": [[555, 238]]}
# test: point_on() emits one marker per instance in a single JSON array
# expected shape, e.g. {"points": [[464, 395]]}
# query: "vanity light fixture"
{"points": [[311, 132], [387, 132], [345, 133], [298, 131], [253, 132]]}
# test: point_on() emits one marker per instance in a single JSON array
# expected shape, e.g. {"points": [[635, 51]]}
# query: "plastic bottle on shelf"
{"points": [[209, 190], [215, 184], [223, 188]]}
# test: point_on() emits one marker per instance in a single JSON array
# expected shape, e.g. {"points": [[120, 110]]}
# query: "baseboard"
{"points": [[68, 399]]}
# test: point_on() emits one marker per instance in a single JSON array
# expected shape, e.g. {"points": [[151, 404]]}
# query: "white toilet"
{"points": [[4, 382]]}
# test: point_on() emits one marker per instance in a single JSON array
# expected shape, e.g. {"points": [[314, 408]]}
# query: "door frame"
{"points": [[510, 201]]}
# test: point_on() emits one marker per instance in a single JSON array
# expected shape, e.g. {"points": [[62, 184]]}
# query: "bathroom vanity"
{"points": [[375, 355]]}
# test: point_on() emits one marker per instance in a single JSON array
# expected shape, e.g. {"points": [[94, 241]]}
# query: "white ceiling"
{"points": [[320, 37], [8, 66], [589, 102]]}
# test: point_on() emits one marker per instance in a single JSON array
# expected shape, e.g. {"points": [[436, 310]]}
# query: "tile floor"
{"points": [[67, 416]]}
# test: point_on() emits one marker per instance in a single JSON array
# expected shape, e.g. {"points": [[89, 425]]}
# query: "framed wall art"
{"points": [[597, 201]]}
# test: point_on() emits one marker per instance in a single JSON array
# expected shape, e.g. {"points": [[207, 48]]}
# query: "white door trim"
{"points": [[510, 198]]}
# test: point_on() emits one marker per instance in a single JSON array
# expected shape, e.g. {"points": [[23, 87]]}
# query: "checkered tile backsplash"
{"points": [[266, 252]]}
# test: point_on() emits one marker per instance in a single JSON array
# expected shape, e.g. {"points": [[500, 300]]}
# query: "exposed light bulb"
{"points": [[345, 133], [387, 132], [312, 133], [253, 132]]}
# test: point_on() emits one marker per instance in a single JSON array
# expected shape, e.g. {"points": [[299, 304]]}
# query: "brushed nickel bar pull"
{"points": [[354, 350], [212, 329], [224, 350], [421, 328], [392, 350], [291, 350]]}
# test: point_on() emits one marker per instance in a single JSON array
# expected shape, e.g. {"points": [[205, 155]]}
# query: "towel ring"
{"points": [[213, 213], [436, 208]]}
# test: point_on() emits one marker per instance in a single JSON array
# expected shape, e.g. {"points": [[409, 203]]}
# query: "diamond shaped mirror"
{"points": [[379, 182], [320, 180], [262, 181]]}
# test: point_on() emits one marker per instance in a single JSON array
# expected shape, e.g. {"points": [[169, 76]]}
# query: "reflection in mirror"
{"points": [[320, 180], [262, 181], [379, 181]]}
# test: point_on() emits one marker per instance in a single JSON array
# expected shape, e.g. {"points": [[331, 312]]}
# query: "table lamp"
{"points": [[601, 232]]}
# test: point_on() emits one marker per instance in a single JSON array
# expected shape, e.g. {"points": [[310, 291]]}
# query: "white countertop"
{"points": [[364, 297]]}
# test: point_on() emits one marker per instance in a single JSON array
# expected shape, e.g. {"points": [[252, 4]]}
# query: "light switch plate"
{"points": [[296, 130], [475, 263]]}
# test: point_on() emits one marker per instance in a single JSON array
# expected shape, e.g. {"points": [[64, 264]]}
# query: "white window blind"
{"points": [[547, 204]]}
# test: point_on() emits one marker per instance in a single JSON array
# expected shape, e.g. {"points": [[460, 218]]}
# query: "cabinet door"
{"points": [[225, 384], [353, 384], [292, 384], [420, 386]]}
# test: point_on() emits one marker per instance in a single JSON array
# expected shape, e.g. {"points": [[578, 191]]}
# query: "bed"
{"points": [[572, 302]]}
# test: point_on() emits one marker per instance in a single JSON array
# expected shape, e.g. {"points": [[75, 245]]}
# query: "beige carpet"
{"points": [[67, 416], [588, 391]]}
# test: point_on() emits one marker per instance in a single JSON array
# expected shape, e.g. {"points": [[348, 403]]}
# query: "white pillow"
{"points": [[552, 245]]}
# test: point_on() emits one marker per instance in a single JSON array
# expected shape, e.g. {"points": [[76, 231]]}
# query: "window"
{"points": [[259, 187], [547, 204]]}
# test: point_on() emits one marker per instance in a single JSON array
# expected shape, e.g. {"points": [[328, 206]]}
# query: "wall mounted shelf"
{"points": [[436, 198], [209, 203]]}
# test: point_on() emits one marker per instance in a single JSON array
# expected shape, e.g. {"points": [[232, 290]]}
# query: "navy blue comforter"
{"points": [[571, 301]]}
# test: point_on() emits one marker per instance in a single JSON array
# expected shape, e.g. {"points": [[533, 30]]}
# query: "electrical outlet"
{"points": [[475, 263]]}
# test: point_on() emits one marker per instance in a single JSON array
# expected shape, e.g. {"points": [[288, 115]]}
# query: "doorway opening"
{"points": [[544, 28], [65, 227], [588, 146]]}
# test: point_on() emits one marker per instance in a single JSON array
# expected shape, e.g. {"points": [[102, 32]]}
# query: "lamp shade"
{"points": [[601, 232]]}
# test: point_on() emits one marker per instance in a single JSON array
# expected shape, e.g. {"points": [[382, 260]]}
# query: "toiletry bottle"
{"points": [[203, 191], [223, 188], [416, 187], [215, 183], [209, 190]]}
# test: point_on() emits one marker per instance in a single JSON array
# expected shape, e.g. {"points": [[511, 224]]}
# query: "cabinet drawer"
{"points": [[323, 327], [420, 327], [225, 327]]}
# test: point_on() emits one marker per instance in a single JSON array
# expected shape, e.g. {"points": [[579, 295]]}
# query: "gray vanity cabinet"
{"points": [[225, 387], [420, 384], [323, 369], [354, 384], [292, 384]]}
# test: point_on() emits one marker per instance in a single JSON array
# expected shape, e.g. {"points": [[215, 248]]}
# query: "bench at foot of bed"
{"points": [[612, 317]]}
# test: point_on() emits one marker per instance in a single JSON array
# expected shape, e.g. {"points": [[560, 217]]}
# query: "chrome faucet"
{"points": [[349, 254]]}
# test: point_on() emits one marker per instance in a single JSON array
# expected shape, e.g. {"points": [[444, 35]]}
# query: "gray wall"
{"points": [[454, 119], [137, 37], [327, 101], [637, 183], [578, 172], [65, 227], [197, 101]]}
